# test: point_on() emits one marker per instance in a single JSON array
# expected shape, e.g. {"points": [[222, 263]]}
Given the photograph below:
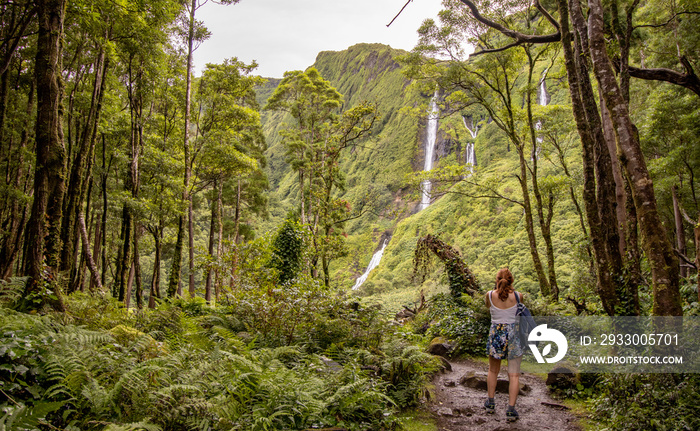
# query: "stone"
{"points": [[562, 377], [330, 363], [450, 383], [478, 381], [445, 365], [404, 314], [440, 347], [447, 411]]}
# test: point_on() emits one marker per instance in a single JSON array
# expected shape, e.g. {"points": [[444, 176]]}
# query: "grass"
{"points": [[583, 414], [392, 301], [417, 420]]}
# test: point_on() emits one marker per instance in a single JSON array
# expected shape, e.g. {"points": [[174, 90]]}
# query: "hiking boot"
{"points": [[490, 406], [511, 415]]}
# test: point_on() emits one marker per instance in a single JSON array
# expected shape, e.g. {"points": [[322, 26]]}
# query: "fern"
{"points": [[22, 417], [11, 290], [136, 426]]}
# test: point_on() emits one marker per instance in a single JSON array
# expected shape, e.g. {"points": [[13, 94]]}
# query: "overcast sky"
{"points": [[286, 35]]}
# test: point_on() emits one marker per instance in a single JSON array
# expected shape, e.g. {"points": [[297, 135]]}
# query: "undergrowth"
{"points": [[295, 358]]}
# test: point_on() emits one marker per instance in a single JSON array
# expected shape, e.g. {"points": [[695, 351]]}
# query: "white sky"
{"points": [[286, 35]]}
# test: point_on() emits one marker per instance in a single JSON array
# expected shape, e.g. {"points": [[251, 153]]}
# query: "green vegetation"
{"points": [[130, 185], [256, 362]]}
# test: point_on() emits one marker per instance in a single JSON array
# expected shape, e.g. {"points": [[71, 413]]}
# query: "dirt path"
{"points": [[458, 407]]}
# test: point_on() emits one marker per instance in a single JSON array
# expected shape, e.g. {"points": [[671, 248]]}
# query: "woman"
{"points": [[504, 342]]}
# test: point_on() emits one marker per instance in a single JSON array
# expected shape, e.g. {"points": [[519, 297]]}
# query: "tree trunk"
{"points": [[129, 285], [174, 284], [77, 277], [577, 78], [237, 216], [220, 242], [212, 235], [81, 167], [104, 213], [44, 227], [124, 258], [620, 196], [663, 262], [96, 253], [155, 280], [530, 225], [15, 223], [86, 246], [174, 279], [188, 158], [545, 222], [190, 248], [137, 268], [696, 234], [680, 233]]}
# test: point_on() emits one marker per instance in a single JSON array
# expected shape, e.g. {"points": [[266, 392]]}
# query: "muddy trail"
{"points": [[460, 395]]}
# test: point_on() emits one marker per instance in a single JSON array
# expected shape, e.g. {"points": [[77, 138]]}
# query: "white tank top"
{"points": [[502, 315]]}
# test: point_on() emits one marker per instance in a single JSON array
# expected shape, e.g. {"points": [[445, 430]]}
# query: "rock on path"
{"points": [[458, 407]]}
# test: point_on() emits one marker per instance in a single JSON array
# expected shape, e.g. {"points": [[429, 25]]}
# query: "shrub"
{"points": [[649, 401], [464, 321], [186, 365]]}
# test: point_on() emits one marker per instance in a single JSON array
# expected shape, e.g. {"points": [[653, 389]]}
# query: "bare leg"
{"points": [[513, 388], [513, 379], [492, 378]]}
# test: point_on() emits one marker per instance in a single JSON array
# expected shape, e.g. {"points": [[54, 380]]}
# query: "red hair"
{"points": [[504, 283]]}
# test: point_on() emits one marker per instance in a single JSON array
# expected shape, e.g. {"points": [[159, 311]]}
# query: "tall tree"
{"points": [[492, 82], [314, 144], [230, 136], [43, 234], [196, 33], [588, 39]]}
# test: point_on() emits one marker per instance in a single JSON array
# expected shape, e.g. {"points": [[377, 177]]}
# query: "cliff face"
{"points": [[376, 167], [364, 72]]}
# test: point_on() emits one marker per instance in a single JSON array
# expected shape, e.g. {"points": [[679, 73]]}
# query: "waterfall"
{"points": [[470, 159], [543, 89], [430, 140], [543, 102], [373, 263], [472, 131]]}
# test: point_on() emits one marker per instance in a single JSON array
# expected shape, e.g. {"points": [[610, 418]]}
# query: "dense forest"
{"points": [[178, 251]]}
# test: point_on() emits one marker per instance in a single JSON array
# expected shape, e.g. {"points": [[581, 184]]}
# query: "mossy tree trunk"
{"points": [[657, 247], [44, 228]]}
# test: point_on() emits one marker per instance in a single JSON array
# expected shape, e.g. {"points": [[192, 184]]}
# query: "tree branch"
{"points": [[685, 258], [520, 38], [674, 16], [688, 80], [503, 48], [547, 15], [397, 15], [687, 217]]}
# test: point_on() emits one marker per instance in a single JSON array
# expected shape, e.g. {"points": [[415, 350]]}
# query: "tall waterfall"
{"points": [[430, 140], [373, 263], [543, 89], [471, 154], [543, 102]]}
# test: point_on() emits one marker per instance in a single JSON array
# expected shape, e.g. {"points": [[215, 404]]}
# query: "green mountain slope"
{"points": [[375, 167], [488, 232]]}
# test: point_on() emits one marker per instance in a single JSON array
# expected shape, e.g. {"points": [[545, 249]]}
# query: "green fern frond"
{"points": [[136, 426], [11, 290], [25, 418]]}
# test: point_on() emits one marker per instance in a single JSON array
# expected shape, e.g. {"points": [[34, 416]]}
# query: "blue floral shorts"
{"points": [[504, 341]]}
